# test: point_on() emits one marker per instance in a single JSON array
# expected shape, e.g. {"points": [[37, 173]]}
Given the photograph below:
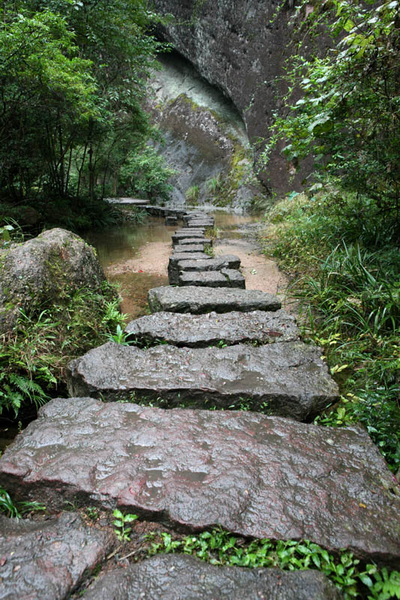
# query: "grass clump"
{"points": [[220, 547], [342, 255], [34, 355]]}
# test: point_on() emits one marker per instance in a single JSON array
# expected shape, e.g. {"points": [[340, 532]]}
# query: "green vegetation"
{"points": [[220, 547], [72, 129], [340, 239], [17, 510], [121, 530], [34, 356]]}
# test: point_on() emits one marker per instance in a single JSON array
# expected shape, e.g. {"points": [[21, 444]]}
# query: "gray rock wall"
{"points": [[235, 47]]}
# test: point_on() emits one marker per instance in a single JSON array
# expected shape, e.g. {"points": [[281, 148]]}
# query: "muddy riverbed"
{"points": [[136, 257]]}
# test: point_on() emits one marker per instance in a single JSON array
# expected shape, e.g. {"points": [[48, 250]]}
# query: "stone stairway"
{"points": [[189, 467]]}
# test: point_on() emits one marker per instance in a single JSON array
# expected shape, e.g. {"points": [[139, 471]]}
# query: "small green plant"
{"points": [[192, 194], [120, 522], [119, 337], [92, 512], [220, 547], [16, 510], [209, 250]]}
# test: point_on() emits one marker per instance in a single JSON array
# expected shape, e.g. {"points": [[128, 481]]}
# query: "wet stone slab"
{"points": [[227, 261], [197, 246], [173, 264], [192, 241], [187, 234], [226, 278], [288, 379], [173, 577], [200, 331], [254, 475], [200, 300], [47, 560]]}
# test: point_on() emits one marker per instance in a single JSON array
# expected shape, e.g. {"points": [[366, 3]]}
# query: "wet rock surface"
{"points": [[192, 241], [227, 278], [173, 264], [211, 329], [44, 270], [49, 559], [200, 300], [254, 475], [289, 379], [184, 577], [228, 261]]}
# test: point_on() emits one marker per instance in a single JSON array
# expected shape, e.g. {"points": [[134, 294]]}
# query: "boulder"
{"points": [[171, 577], [288, 379], [226, 278], [200, 300], [199, 331], [48, 559], [254, 475], [44, 271]]}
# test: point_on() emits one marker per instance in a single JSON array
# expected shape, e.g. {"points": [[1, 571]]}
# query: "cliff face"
{"points": [[234, 45]]}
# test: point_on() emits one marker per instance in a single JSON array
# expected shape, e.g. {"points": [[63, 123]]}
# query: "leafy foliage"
{"points": [[73, 76], [33, 357], [350, 300], [347, 117], [220, 547], [16, 510]]}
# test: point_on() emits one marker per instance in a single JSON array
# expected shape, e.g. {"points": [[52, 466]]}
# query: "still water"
{"points": [[119, 246]]}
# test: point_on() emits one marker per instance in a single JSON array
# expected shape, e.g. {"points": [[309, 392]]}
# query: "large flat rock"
{"points": [[232, 328], [226, 278], [200, 300], [254, 475], [185, 577], [288, 379], [192, 241], [47, 560], [197, 246], [183, 235]]}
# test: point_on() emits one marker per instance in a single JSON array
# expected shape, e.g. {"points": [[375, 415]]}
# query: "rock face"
{"points": [[200, 300], [254, 475], [199, 331], [237, 48], [173, 577], [41, 271], [48, 560], [288, 379]]}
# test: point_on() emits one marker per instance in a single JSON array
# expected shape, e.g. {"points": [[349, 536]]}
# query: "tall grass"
{"points": [[348, 285]]}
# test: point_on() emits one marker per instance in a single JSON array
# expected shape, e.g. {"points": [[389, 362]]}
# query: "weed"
{"points": [[16, 510], [92, 512], [220, 547], [120, 525]]}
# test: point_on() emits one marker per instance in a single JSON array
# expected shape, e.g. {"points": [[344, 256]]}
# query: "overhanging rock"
{"points": [[254, 475]]}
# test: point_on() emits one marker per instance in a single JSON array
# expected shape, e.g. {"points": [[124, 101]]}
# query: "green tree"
{"points": [[348, 114]]}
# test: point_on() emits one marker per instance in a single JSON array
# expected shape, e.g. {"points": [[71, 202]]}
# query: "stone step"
{"points": [[191, 230], [176, 257], [258, 476], [200, 300], [187, 234], [226, 278], [199, 331], [197, 246], [287, 379], [48, 560], [228, 261], [192, 241], [170, 577]]}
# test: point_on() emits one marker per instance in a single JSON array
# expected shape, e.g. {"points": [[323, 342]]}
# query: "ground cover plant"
{"points": [[339, 241], [220, 547]]}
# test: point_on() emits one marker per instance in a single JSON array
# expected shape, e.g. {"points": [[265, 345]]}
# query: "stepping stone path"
{"points": [[255, 475]]}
